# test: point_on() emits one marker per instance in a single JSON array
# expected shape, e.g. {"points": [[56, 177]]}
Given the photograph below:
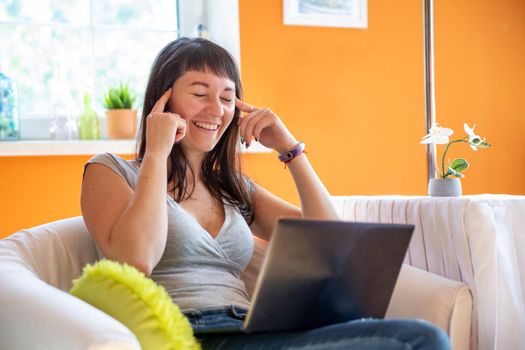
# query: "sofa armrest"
{"points": [[35, 315], [441, 301]]}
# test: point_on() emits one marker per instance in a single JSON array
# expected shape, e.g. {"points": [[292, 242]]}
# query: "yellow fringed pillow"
{"points": [[127, 295]]}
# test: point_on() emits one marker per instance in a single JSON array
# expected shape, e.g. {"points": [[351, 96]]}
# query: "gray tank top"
{"points": [[196, 269]]}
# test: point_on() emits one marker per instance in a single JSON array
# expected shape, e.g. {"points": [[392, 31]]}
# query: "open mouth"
{"points": [[206, 126]]}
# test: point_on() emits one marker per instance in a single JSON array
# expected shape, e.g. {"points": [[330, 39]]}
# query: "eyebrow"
{"points": [[208, 85]]}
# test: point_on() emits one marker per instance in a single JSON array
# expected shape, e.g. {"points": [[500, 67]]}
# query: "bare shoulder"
{"points": [[104, 196]]}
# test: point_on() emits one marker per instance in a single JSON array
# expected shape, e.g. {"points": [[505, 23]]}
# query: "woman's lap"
{"points": [[364, 334]]}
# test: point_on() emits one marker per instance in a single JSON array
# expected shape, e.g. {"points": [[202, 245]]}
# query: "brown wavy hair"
{"points": [[221, 167]]}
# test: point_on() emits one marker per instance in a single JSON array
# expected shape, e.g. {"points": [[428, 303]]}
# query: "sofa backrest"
{"points": [[56, 253]]}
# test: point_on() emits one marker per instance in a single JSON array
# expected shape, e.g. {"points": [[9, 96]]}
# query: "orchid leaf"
{"points": [[459, 165]]}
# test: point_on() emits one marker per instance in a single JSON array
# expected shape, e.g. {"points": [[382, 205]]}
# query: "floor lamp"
{"points": [[430, 98]]}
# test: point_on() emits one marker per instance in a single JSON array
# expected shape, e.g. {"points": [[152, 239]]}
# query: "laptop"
{"points": [[317, 273]]}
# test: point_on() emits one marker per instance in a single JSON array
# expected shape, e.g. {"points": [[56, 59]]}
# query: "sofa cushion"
{"points": [[138, 302]]}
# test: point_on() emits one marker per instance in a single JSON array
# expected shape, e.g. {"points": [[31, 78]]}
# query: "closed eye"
{"points": [[229, 100]]}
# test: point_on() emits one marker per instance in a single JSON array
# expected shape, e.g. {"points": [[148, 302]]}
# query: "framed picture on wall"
{"points": [[326, 13]]}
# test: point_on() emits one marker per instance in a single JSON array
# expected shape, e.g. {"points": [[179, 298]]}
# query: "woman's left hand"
{"points": [[265, 126]]}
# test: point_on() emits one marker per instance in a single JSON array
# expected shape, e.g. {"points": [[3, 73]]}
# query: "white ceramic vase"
{"points": [[449, 187]]}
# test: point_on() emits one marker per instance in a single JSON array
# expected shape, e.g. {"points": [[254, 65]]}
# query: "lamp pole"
{"points": [[430, 98]]}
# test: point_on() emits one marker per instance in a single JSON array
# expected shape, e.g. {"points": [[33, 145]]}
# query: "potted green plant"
{"points": [[447, 183], [121, 117]]}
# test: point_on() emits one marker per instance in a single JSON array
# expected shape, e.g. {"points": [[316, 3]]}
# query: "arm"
{"points": [[128, 226], [265, 126], [131, 226], [315, 199]]}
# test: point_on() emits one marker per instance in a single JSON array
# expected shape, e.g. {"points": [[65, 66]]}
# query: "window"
{"points": [[96, 43]]}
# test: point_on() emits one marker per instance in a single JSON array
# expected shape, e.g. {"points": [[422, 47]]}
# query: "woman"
{"points": [[183, 213]]}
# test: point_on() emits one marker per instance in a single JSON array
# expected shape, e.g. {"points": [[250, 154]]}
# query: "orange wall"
{"points": [[356, 98], [36, 190]]}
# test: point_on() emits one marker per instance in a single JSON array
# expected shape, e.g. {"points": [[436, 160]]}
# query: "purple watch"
{"points": [[288, 156]]}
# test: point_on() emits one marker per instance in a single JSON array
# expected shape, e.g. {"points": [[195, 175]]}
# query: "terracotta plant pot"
{"points": [[121, 123], [449, 187]]}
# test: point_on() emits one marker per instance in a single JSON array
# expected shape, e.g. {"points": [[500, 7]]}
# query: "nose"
{"points": [[215, 107]]}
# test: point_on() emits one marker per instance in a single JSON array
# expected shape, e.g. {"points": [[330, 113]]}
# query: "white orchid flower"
{"points": [[437, 135], [473, 139]]}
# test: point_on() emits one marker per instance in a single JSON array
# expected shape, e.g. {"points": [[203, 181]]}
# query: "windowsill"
{"points": [[77, 147]]}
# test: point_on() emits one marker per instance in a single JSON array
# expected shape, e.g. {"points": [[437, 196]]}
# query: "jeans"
{"points": [[366, 334]]}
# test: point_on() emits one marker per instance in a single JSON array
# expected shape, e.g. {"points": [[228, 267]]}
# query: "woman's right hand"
{"points": [[163, 129]]}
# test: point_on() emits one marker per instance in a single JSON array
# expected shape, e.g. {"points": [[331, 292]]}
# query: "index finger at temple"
{"points": [[243, 106], [161, 102]]}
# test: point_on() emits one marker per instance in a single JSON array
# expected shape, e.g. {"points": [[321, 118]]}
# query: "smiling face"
{"points": [[207, 103]]}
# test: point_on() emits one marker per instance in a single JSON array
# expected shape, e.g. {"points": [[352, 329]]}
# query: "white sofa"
{"points": [[37, 267]]}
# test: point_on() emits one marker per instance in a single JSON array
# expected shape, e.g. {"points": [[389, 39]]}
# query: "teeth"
{"points": [[206, 126]]}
